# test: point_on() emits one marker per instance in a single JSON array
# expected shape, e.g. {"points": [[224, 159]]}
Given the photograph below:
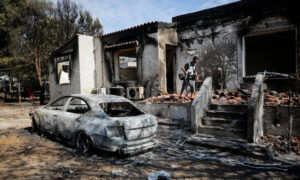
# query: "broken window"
{"points": [[63, 69], [58, 104], [63, 72], [127, 64], [120, 109], [272, 52], [78, 106]]}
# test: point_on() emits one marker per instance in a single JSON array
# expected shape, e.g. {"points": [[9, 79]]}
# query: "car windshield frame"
{"points": [[56, 100], [108, 111], [75, 97]]}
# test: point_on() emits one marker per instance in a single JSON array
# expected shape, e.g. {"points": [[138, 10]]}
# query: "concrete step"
{"points": [[223, 122], [226, 114], [222, 131], [229, 107]]}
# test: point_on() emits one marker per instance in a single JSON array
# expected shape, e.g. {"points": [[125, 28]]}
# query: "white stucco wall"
{"points": [[86, 63]]}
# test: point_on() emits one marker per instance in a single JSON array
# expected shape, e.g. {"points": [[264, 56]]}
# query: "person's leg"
{"points": [[184, 86], [192, 84], [191, 87]]}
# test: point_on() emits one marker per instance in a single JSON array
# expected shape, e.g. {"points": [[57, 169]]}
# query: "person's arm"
{"points": [[197, 77], [183, 69]]}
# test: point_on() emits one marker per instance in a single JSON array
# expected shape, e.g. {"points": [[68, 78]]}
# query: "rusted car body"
{"points": [[106, 122]]}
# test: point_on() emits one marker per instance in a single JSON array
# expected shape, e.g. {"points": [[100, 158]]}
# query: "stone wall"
{"points": [[255, 111], [172, 111], [200, 104]]}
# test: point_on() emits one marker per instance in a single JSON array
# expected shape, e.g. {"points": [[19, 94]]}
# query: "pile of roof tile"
{"points": [[280, 143], [238, 96], [173, 98], [275, 98]]}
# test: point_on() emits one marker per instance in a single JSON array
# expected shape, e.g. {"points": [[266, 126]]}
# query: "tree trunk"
{"points": [[37, 63]]}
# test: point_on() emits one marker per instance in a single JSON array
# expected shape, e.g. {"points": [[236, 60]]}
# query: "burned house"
{"points": [[72, 68], [234, 42], [142, 56], [241, 38]]}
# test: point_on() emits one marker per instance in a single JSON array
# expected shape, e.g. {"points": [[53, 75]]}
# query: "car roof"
{"points": [[100, 98]]}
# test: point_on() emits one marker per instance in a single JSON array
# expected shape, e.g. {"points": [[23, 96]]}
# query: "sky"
{"points": [[115, 15]]}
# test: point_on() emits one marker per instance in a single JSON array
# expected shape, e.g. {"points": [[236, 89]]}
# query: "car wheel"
{"points": [[33, 126], [84, 144]]}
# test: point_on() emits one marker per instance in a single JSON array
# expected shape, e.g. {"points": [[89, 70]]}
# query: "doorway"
{"points": [[170, 66], [271, 52]]}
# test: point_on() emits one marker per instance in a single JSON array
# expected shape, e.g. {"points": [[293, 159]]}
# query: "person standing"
{"points": [[191, 74]]}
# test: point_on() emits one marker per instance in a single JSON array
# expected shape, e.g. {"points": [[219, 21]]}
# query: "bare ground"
{"points": [[24, 155]]}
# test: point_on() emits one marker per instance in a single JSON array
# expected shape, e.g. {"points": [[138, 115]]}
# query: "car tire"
{"points": [[33, 126], [83, 144]]}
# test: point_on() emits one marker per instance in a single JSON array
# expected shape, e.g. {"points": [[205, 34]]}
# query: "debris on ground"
{"points": [[173, 98], [229, 144], [159, 175], [118, 172], [280, 144], [239, 96], [174, 166], [249, 164], [275, 98], [18, 146]]}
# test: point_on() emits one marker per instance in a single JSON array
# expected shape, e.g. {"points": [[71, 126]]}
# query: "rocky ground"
{"points": [[24, 155], [238, 96]]}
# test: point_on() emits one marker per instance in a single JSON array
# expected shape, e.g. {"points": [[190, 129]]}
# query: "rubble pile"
{"points": [[173, 98], [275, 98], [238, 96], [280, 143]]}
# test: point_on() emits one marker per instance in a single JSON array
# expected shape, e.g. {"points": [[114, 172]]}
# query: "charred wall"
{"points": [[56, 89]]}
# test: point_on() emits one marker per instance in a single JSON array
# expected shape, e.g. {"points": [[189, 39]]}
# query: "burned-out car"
{"points": [[106, 122]]}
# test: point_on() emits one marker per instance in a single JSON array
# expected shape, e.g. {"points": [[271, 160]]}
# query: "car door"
{"points": [[68, 121], [50, 114]]}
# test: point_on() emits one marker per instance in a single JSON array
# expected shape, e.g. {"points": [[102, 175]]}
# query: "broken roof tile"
{"points": [[133, 27], [135, 42]]}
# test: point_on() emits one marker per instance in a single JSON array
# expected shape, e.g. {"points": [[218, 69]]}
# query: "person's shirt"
{"points": [[190, 68]]}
